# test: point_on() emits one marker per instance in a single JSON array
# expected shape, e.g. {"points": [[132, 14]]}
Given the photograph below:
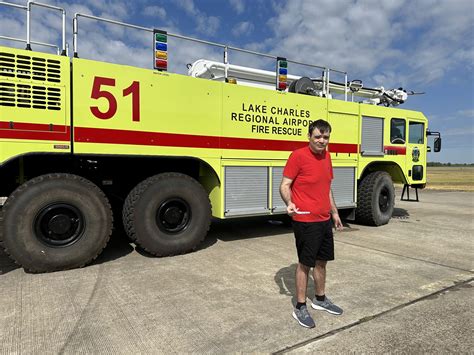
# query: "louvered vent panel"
{"points": [[30, 96], [30, 68]]}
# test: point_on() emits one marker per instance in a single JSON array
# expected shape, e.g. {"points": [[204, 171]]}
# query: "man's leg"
{"points": [[300, 313], [302, 272], [320, 301], [319, 275]]}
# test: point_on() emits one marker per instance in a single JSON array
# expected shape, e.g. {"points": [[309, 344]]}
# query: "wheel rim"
{"points": [[384, 199], [59, 224], [173, 215]]}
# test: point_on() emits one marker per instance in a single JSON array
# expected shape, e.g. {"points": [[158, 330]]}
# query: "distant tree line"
{"points": [[436, 163]]}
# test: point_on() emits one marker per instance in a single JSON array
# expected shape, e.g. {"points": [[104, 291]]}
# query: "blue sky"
{"points": [[423, 45]]}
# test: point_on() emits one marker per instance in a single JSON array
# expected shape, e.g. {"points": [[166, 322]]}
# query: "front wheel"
{"points": [[376, 199], [55, 222], [167, 214]]}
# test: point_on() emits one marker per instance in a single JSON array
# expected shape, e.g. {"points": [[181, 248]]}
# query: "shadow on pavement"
{"points": [[229, 230], [285, 279], [224, 230], [400, 213], [248, 227], [118, 246], [6, 264]]}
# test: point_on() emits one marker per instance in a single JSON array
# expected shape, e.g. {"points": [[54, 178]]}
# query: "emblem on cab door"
{"points": [[415, 154]]}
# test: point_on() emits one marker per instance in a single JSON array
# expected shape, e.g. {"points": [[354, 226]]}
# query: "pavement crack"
{"points": [[404, 256], [455, 287]]}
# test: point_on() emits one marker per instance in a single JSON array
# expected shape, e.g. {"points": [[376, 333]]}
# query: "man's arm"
{"points": [[334, 213], [285, 193]]}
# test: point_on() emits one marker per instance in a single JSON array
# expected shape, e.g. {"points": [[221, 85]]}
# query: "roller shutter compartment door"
{"points": [[343, 187], [372, 136], [246, 190]]}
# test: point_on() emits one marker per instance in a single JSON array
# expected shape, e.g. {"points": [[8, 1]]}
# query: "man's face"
{"points": [[318, 141]]}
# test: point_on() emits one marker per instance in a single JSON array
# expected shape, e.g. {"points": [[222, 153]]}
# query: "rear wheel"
{"points": [[55, 222], [376, 199], [167, 214]]}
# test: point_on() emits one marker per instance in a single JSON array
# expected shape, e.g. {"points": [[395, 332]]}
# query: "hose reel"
{"points": [[303, 85]]}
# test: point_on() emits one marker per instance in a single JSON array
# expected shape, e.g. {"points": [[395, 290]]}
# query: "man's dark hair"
{"points": [[322, 125]]}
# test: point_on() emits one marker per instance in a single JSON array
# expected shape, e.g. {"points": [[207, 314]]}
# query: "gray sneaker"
{"points": [[303, 317], [326, 305]]}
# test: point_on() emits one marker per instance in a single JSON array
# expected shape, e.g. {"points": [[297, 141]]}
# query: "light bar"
{"points": [[160, 49], [281, 74]]}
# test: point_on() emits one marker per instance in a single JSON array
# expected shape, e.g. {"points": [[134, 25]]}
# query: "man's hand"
{"points": [[291, 209], [337, 221]]}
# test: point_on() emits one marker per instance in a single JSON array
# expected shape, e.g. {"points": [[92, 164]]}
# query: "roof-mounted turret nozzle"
{"points": [[355, 85]]}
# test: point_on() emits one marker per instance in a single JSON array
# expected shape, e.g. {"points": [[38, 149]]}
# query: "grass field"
{"points": [[450, 178]]}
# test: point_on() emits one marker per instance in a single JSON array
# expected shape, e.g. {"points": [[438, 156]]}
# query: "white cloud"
{"points": [[238, 6], [109, 8], [205, 24], [354, 37], [208, 25], [466, 113], [243, 28], [154, 11], [408, 43], [462, 131], [12, 27], [188, 6]]}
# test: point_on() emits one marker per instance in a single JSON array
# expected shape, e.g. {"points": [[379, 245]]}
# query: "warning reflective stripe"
{"points": [[343, 148], [395, 150], [93, 135], [33, 126], [34, 131]]}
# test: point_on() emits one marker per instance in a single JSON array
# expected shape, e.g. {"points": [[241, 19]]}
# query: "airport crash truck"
{"points": [[86, 146]]}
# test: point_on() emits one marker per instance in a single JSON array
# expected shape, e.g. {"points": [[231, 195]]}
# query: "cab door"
{"points": [[416, 152]]}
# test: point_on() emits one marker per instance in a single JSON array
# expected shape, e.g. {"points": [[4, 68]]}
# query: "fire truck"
{"points": [[87, 146]]}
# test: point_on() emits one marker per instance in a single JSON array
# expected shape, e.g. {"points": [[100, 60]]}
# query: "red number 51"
{"points": [[97, 93]]}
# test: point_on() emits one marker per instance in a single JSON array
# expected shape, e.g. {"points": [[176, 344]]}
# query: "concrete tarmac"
{"points": [[405, 287]]}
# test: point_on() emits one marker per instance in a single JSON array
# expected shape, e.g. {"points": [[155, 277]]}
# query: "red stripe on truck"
{"points": [[46, 132], [34, 131], [111, 136]]}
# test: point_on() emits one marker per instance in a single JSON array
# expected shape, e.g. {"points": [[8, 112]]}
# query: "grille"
{"points": [[30, 68], [30, 96]]}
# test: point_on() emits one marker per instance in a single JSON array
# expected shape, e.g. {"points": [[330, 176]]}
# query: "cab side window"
{"points": [[416, 134], [397, 131]]}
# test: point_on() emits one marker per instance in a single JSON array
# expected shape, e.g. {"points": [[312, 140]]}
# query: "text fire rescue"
{"points": [[260, 116]]}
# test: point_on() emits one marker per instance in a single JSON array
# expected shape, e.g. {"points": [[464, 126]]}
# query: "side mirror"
{"points": [[437, 144]]}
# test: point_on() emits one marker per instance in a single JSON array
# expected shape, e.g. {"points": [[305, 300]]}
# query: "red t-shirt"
{"points": [[311, 174]]}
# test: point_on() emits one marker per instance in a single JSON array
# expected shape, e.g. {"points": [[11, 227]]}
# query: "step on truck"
{"points": [[88, 146]]}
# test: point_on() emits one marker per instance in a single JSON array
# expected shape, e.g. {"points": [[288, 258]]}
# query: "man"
{"points": [[306, 190]]}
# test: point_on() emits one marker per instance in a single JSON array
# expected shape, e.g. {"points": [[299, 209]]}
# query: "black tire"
{"points": [[376, 199], [167, 214], [55, 222]]}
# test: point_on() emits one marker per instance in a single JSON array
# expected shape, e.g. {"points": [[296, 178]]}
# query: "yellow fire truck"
{"points": [[86, 145]]}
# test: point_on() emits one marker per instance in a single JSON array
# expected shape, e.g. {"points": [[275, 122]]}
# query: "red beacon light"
{"points": [[161, 50]]}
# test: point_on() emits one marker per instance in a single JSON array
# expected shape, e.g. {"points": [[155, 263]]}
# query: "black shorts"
{"points": [[314, 241]]}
